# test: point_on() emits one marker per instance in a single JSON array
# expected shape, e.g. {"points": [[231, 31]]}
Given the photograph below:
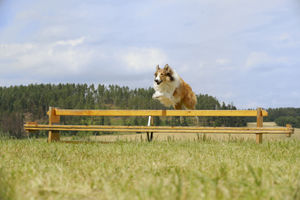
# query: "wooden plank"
{"points": [[166, 130], [207, 113], [36, 126], [161, 129]]}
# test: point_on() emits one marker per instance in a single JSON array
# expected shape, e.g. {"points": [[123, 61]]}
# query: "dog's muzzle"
{"points": [[157, 81]]}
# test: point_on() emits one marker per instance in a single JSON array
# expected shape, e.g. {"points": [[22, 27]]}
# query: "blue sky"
{"points": [[239, 51]]}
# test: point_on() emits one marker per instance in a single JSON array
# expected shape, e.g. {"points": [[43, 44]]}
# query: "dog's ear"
{"points": [[157, 67], [168, 69]]}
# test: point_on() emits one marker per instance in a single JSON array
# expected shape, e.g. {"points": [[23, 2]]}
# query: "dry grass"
{"points": [[181, 168]]}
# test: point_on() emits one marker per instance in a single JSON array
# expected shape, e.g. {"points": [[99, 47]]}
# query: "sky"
{"points": [[242, 52]]}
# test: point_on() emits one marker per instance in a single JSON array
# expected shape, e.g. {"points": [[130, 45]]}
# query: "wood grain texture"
{"points": [[120, 113]]}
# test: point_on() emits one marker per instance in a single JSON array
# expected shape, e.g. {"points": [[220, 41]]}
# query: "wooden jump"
{"points": [[54, 127]]}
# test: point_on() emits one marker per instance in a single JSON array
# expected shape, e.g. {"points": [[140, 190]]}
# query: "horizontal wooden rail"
{"points": [[35, 125], [159, 129], [146, 113]]}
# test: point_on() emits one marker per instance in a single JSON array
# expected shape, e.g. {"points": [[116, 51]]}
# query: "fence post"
{"points": [[53, 119], [259, 121], [289, 126], [152, 124]]}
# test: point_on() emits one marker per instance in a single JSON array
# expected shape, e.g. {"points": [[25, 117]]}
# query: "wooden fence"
{"points": [[55, 113]]}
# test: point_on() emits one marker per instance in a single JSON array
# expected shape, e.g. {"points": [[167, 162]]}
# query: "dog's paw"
{"points": [[156, 95]]}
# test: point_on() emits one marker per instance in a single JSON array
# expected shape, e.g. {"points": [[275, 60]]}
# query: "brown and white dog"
{"points": [[171, 90]]}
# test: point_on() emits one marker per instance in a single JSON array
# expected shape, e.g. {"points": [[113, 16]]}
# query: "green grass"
{"points": [[33, 169]]}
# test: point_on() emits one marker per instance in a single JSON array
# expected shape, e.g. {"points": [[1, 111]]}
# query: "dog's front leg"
{"points": [[157, 95]]}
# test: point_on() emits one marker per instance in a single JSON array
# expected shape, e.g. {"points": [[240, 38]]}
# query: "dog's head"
{"points": [[163, 75]]}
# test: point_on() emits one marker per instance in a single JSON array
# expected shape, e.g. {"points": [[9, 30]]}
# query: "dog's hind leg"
{"points": [[197, 120], [190, 103], [180, 106]]}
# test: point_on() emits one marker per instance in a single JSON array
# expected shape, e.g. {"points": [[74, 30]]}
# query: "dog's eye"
{"points": [[170, 75]]}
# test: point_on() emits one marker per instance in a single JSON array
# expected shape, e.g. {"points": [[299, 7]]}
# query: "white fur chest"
{"points": [[166, 87], [164, 91]]}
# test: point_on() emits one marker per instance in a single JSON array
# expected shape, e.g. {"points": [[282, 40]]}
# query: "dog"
{"points": [[171, 90]]}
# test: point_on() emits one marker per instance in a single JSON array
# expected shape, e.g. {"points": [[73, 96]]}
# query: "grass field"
{"points": [[199, 168]]}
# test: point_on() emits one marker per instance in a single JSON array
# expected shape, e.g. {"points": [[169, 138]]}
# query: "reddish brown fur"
{"points": [[187, 96]]}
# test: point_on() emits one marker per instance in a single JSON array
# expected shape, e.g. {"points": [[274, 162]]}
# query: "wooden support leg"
{"points": [[150, 123], [53, 136], [289, 133], [259, 136]]}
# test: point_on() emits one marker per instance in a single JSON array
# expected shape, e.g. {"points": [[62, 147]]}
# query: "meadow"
{"points": [[202, 168]]}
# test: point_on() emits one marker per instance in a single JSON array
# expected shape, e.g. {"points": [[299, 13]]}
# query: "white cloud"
{"points": [[284, 37], [143, 59], [45, 59], [262, 59], [70, 59], [12, 50], [257, 58], [222, 61], [72, 43], [286, 40]]}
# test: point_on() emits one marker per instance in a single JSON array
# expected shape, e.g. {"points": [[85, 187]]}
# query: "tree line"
{"points": [[283, 116], [19, 104]]}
